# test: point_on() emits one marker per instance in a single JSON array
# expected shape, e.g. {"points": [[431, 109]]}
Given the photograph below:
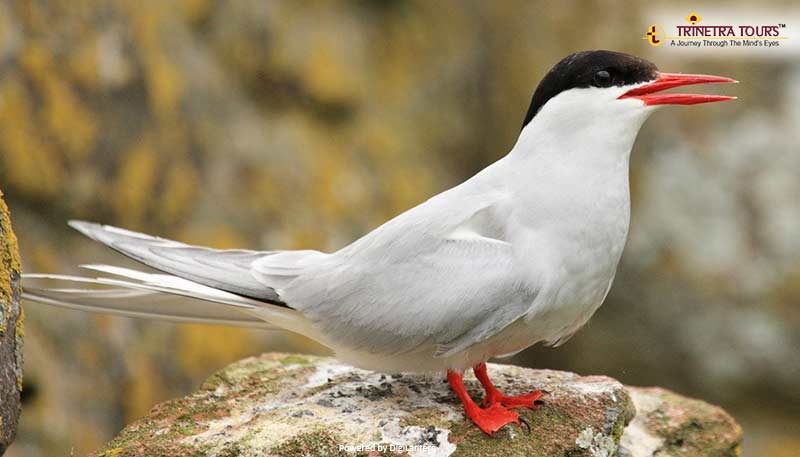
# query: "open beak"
{"points": [[648, 95]]}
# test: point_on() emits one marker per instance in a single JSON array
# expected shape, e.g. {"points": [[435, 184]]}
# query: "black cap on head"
{"points": [[590, 69]]}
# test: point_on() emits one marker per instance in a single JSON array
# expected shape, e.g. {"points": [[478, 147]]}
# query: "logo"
{"points": [[696, 35], [652, 36], [693, 18]]}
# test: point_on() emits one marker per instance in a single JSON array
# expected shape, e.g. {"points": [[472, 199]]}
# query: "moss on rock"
{"points": [[290, 405], [319, 442], [686, 426]]}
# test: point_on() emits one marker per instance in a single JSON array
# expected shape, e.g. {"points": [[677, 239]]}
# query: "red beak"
{"points": [[668, 81]]}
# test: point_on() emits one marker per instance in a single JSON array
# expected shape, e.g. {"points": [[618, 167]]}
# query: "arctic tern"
{"points": [[523, 252]]}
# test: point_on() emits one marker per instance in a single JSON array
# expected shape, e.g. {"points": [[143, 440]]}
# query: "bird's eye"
{"points": [[602, 79]]}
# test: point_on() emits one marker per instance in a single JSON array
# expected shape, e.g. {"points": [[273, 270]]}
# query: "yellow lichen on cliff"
{"points": [[68, 122], [179, 189], [10, 259], [195, 11], [83, 63], [9, 264], [10, 267], [27, 162], [134, 184], [325, 75], [165, 82]]}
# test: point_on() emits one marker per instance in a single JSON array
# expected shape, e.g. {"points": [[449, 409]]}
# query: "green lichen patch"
{"points": [[258, 373], [159, 434], [169, 427], [471, 442], [167, 424], [691, 427], [147, 449], [571, 406], [325, 443], [426, 417], [312, 443], [555, 429], [296, 360]]}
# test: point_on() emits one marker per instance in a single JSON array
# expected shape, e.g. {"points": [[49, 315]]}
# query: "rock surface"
{"points": [[10, 331], [290, 405]]}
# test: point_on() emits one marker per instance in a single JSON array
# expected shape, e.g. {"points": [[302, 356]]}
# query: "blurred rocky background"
{"points": [[284, 124]]}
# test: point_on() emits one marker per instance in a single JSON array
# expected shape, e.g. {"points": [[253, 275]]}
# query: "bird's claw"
{"points": [[506, 430], [525, 422]]}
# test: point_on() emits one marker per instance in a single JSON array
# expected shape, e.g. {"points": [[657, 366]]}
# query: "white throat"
{"points": [[583, 127], [569, 169]]}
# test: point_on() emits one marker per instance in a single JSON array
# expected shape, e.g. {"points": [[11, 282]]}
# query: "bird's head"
{"points": [[604, 88]]}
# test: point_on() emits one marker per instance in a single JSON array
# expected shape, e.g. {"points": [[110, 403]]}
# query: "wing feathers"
{"points": [[228, 270]]}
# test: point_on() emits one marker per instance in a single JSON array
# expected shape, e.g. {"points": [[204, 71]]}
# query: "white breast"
{"points": [[570, 225]]}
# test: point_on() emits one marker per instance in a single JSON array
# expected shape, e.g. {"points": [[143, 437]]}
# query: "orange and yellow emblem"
{"points": [[693, 18], [652, 36]]}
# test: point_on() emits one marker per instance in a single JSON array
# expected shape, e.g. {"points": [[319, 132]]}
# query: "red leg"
{"points": [[494, 396], [489, 419]]}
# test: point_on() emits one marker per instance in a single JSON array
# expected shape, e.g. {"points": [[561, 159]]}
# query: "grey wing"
{"points": [[502, 318], [228, 270], [447, 295]]}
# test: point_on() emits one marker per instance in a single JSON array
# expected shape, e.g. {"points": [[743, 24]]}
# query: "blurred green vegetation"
{"points": [[282, 124]]}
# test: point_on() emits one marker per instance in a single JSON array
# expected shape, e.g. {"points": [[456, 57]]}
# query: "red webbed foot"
{"points": [[518, 401], [494, 396], [493, 418], [490, 419]]}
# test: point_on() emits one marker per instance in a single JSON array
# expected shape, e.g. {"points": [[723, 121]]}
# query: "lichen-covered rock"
{"points": [[290, 405], [10, 331], [667, 424]]}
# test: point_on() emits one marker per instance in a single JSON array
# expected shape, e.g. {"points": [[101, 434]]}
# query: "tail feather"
{"points": [[143, 298], [169, 284], [197, 284], [227, 270]]}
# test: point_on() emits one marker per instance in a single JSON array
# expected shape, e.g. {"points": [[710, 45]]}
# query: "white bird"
{"points": [[523, 252]]}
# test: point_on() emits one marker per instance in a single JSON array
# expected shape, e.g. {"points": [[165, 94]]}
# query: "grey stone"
{"points": [[246, 410]]}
